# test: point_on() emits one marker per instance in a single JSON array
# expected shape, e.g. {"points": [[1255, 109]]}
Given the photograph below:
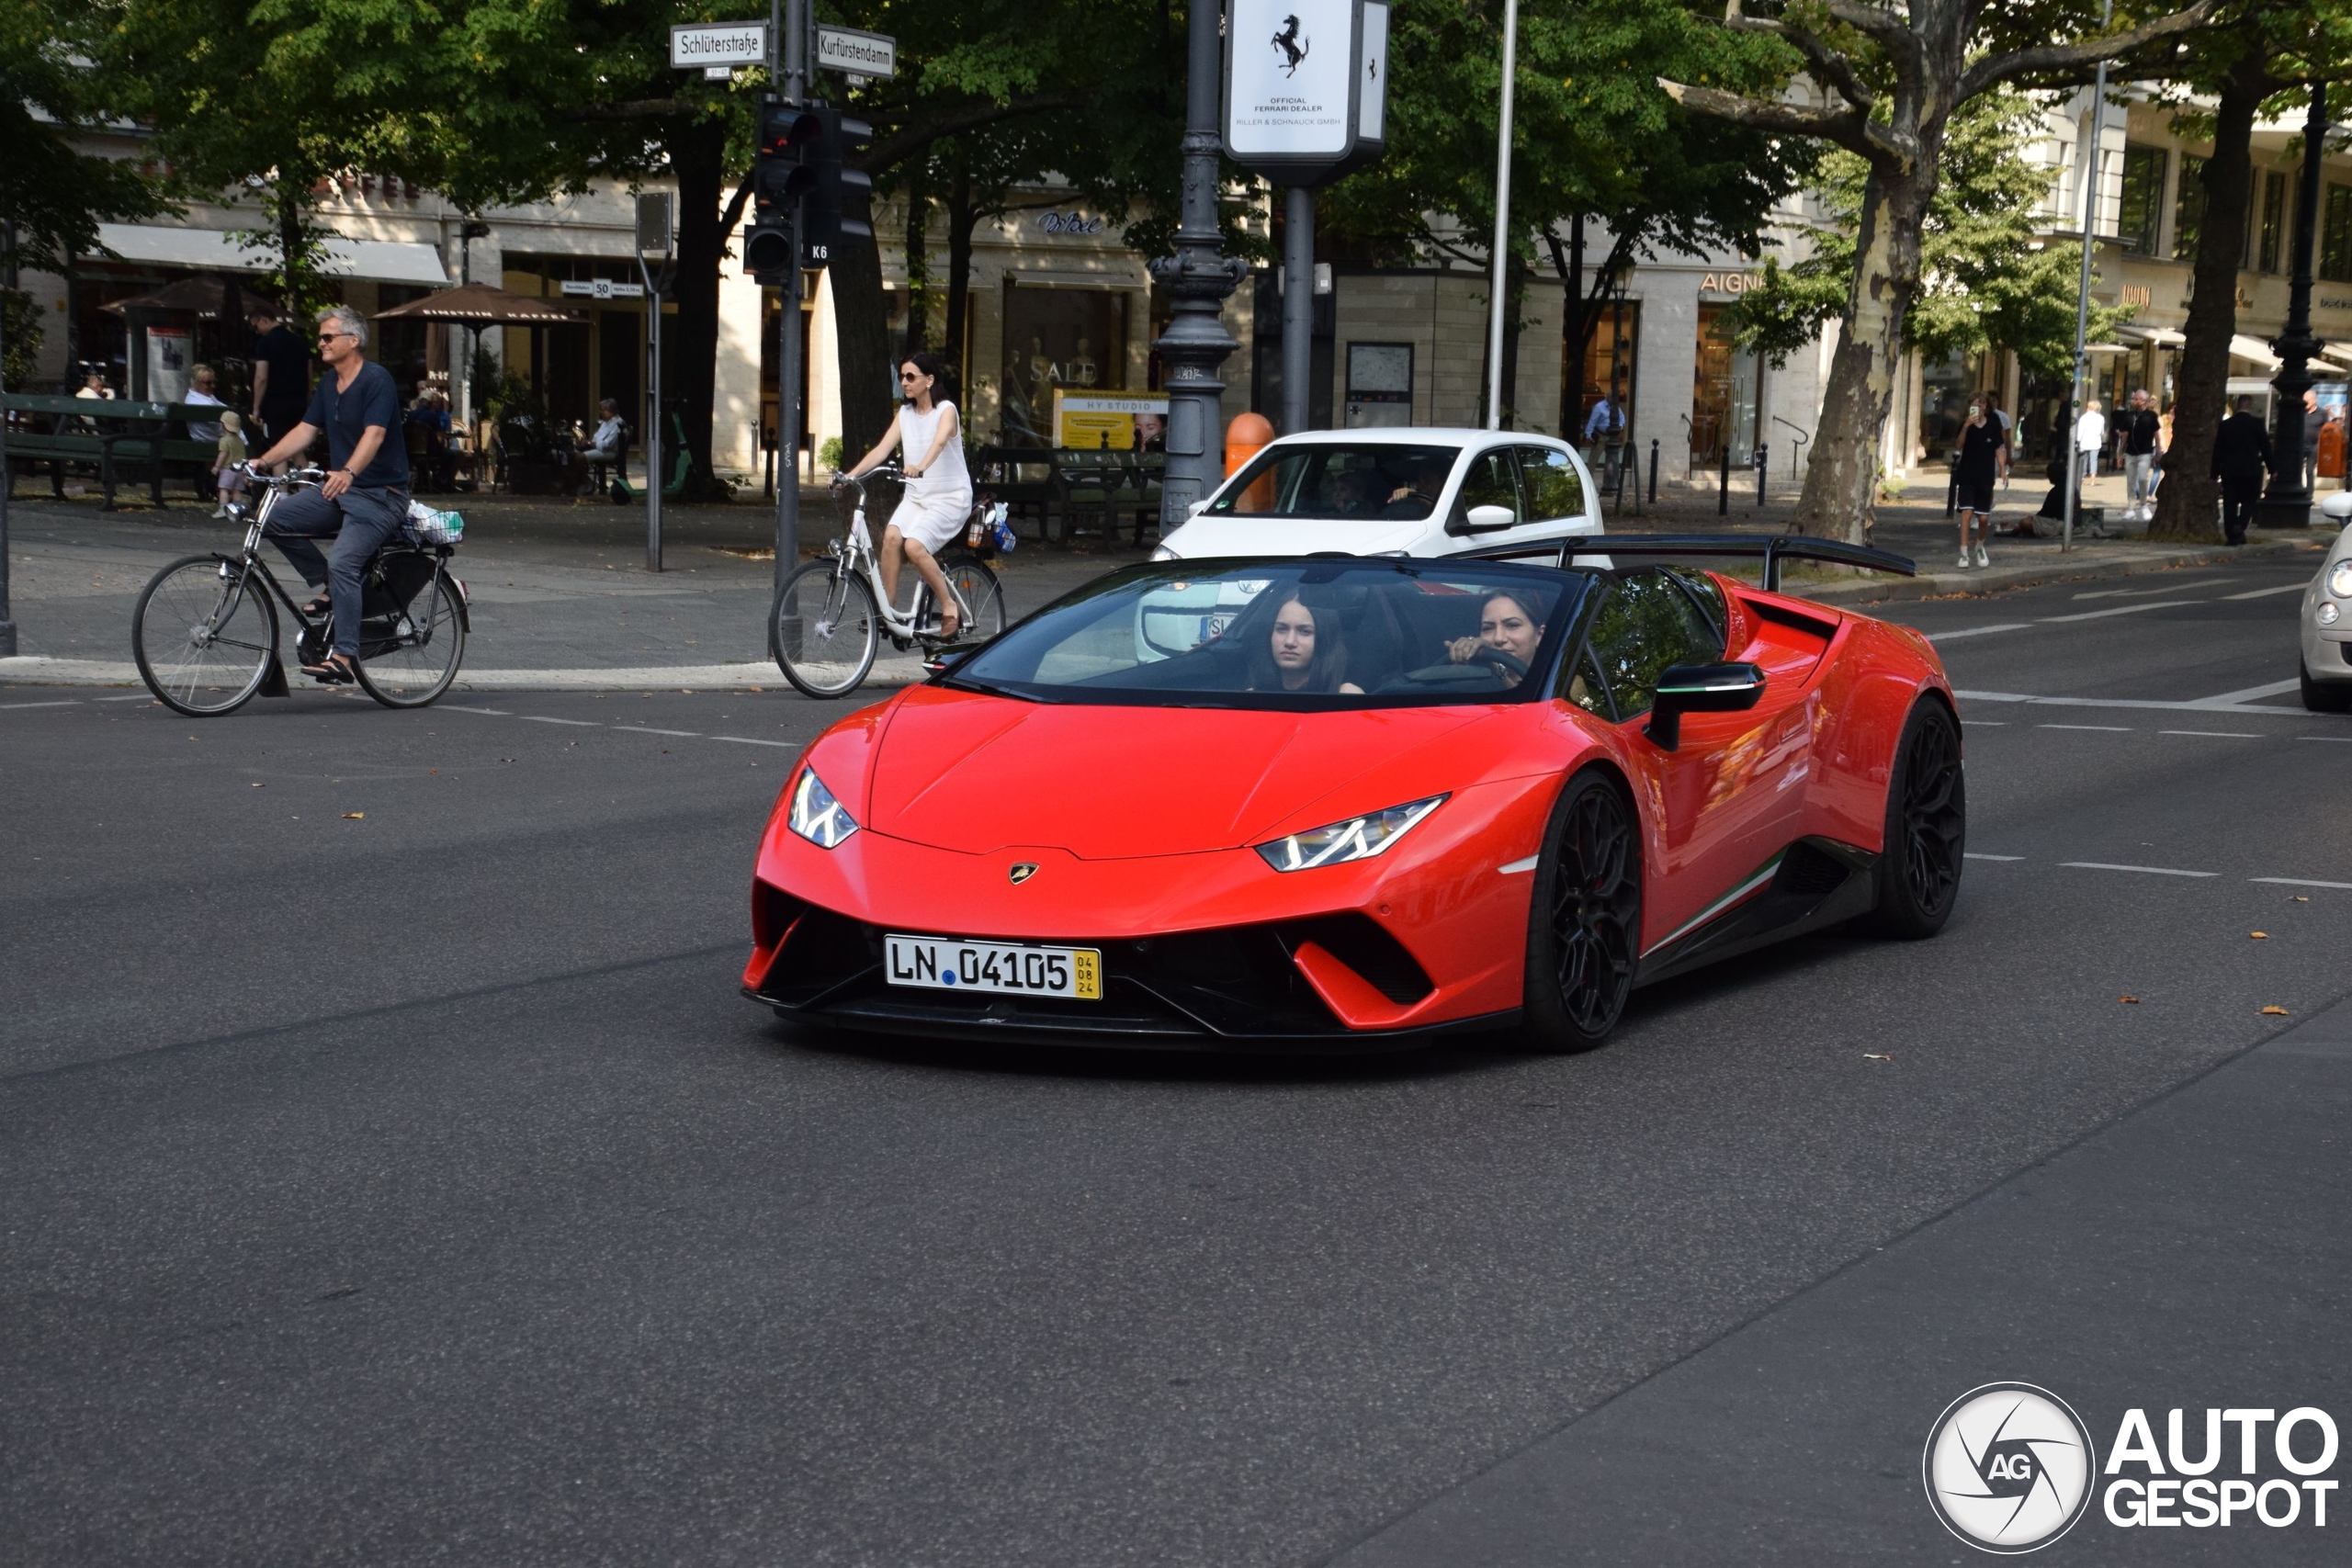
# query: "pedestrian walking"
{"points": [[227, 451], [2314, 420], [2090, 434], [1605, 427], [1981, 461], [363, 504], [2241, 459], [281, 376], [2141, 432]]}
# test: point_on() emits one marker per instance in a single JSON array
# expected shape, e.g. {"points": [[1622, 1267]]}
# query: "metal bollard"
{"points": [[1652, 470], [1763, 471], [1952, 489], [1723, 482]]}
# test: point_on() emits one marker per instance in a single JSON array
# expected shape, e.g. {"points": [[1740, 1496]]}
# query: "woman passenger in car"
{"points": [[1301, 655], [1507, 625]]}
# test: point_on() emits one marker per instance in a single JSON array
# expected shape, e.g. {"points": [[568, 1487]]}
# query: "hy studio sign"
{"points": [[1306, 86]]}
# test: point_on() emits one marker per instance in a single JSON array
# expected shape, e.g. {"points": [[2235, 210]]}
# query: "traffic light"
{"points": [[823, 137], [767, 244]]}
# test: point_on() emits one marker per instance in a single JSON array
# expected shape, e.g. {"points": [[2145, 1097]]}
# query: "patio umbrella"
{"points": [[480, 305], [207, 298]]}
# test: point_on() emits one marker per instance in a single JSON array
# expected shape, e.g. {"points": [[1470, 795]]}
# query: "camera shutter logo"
{"points": [[2008, 1468]]}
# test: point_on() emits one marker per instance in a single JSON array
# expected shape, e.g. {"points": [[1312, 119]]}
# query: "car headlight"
{"points": [[1163, 553], [1358, 838], [2325, 615], [2339, 580], [816, 816]]}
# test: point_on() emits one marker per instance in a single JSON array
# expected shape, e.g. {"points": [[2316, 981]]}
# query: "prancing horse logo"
{"points": [[1294, 46], [1023, 871]]}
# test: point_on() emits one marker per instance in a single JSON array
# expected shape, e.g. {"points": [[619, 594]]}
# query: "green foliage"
{"points": [[829, 455], [52, 195], [1593, 132], [21, 323], [1988, 282]]}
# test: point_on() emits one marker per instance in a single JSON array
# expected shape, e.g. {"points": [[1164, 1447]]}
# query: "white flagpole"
{"points": [[1502, 222]]}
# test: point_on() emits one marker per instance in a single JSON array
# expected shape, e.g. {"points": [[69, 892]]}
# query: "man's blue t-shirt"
{"points": [[346, 414]]}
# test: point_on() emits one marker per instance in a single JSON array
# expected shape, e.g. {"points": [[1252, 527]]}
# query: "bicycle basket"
{"points": [[431, 528]]}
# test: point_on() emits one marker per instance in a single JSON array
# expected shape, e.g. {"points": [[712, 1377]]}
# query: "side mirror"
{"points": [[2338, 508], [1487, 519], [1700, 688]]}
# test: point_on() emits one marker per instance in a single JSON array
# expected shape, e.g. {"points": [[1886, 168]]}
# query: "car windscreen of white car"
{"points": [[1291, 633], [1333, 479]]}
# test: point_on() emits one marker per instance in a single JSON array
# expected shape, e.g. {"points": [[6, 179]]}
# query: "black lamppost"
{"points": [[2287, 503], [1199, 277]]}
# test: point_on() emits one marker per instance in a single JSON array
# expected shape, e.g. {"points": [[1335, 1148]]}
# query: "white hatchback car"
{"points": [[2327, 618], [1407, 492]]}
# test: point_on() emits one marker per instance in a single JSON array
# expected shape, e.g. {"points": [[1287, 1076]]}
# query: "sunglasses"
{"points": [[330, 337], [909, 376]]}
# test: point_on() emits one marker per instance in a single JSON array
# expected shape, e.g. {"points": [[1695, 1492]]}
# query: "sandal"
{"points": [[318, 608], [334, 671]]}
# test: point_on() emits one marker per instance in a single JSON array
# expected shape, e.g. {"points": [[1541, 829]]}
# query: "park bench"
{"points": [[117, 438], [1079, 489]]}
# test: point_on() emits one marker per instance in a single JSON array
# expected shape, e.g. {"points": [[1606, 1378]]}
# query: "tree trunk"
{"points": [[861, 325], [963, 217], [1514, 312], [2186, 504], [918, 195], [1841, 483], [697, 153]]}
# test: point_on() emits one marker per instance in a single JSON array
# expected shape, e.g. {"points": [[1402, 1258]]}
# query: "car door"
{"points": [[1489, 478], [1559, 494], [1719, 803]]}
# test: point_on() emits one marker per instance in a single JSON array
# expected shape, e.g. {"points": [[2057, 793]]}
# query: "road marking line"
{"points": [[494, 713], [2231, 699], [1518, 865], [2172, 587], [66, 702], [2339, 739], [2147, 870], [542, 719], [649, 729], [2108, 728], [747, 741], [2297, 882], [2207, 705], [141, 697], [2121, 610], [2265, 592], [1972, 855], [1986, 723], [1978, 631], [2214, 734]]}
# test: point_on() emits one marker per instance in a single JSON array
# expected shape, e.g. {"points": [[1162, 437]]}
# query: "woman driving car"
{"points": [[1507, 627]]}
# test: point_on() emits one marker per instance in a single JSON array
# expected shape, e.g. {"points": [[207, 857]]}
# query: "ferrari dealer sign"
{"points": [[1306, 83]]}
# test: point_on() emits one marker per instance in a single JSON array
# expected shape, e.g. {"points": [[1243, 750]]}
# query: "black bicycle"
{"points": [[206, 629]]}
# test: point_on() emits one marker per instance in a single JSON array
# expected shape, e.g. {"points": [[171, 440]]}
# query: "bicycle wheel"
{"points": [[977, 587], [407, 658], [204, 634], [826, 628]]}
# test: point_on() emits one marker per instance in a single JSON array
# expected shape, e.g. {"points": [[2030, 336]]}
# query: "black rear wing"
{"points": [[1772, 549]]}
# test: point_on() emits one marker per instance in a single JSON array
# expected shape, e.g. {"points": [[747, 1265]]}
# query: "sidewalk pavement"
{"points": [[562, 599]]}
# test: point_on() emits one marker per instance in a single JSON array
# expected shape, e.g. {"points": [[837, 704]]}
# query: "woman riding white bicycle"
{"points": [[939, 486]]}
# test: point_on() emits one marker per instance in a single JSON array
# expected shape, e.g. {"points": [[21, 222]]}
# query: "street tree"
{"points": [[1989, 281], [1885, 84]]}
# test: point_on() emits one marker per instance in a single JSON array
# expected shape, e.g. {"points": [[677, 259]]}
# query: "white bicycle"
{"points": [[831, 616]]}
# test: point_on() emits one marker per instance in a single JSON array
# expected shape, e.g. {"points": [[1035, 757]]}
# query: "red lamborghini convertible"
{"points": [[1336, 802]]}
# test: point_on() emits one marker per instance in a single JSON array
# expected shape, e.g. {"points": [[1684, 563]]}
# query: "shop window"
{"points": [[2188, 208], [1609, 359], [2336, 235], [1945, 387], [1727, 394], [1057, 339], [2143, 195], [2271, 226]]}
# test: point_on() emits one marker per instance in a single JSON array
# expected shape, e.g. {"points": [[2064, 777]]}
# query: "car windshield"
{"points": [[1317, 633], [1335, 479]]}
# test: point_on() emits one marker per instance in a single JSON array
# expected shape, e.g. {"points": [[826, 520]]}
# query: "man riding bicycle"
{"points": [[363, 504]]}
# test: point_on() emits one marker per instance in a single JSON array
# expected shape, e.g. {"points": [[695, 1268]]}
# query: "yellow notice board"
{"points": [[1124, 422]]}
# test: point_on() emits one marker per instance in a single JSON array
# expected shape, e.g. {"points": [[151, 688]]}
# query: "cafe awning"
{"points": [[480, 305], [209, 298], [2253, 349], [217, 250]]}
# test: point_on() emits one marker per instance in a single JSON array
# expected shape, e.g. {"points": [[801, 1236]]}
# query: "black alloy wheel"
{"points": [[1584, 925], [1927, 827]]}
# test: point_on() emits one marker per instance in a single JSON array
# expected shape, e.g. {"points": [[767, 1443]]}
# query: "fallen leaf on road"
{"points": [[2276, 1011], [1873, 1056], [2132, 999], [359, 816], [2291, 898], [2258, 936], [258, 784]]}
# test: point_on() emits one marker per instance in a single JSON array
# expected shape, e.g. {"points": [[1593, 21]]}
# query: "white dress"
{"points": [[936, 505]]}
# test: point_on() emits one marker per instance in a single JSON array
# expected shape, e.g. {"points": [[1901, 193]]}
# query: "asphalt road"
{"points": [[393, 1174]]}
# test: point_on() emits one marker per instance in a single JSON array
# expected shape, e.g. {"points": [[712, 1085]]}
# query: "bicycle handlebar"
{"points": [[292, 478], [888, 468]]}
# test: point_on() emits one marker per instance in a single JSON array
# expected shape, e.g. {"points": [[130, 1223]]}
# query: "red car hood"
{"points": [[960, 771]]}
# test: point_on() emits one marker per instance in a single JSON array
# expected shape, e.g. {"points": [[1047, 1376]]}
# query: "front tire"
{"points": [[2321, 698], [204, 635], [827, 629], [1927, 827], [1584, 922]]}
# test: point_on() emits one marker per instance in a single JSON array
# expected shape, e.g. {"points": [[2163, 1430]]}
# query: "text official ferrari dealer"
{"points": [[1326, 802]]}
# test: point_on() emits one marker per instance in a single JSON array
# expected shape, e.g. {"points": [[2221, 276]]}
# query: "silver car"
{"points": [[2327, 618]]}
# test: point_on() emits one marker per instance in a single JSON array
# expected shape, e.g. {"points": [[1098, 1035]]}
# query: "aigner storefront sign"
{"points": [[1730, 282]]}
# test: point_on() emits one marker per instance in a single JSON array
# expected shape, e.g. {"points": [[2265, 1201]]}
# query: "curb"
{"points": [[34, 671], [1952, 583]]}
